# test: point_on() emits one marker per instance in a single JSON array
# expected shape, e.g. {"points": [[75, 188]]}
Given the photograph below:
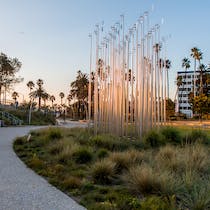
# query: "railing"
{"points": [[14, 120]]}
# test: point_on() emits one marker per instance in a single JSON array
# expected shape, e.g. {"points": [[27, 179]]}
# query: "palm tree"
{"points": [[30, 85], [15, 96], [39, 92], [197, 55], [61, 94], [40, 83], [52, 99], [157, 48], [167, 67], [45, 97], [179, 83], [185, 65], [202, 69]]}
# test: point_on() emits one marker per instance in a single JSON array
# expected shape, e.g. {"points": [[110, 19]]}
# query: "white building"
{"points": [[187, 86]]}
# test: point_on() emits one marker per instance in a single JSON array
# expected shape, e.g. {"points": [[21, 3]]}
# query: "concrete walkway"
{"points": [[20, 187]]}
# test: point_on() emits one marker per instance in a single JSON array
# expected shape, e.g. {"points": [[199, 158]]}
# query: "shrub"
{"points": [[143, 180], [66, 154], [71, 182], [102, 153], [156, 203], [82, 155], [170, 158], [197, 136], [59, 168], [36, 163], [146, 180], [19, 141], [197, 198], [153, 138], [196, 158], [124, 160], [56, 147], [103, 171], [171, 135], [109, 142], [54, 133]]}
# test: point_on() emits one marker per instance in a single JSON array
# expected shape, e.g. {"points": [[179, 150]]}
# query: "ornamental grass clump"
{"points": [[103, 171], [198, 136], [54, 133], [109, 142], [153, 138], [82, 155], [171, 135], [197, 158], [170, 158], [125, 160], [71, 182], [197, 197], [145, 180], [66, 154]]}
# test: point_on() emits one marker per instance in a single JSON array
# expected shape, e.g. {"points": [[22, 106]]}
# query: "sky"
{"points": [[50, 37]]}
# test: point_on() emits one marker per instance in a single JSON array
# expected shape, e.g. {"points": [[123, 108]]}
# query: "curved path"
{"points": [[20, 187]]}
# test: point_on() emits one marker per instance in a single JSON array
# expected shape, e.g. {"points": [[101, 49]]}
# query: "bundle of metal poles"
{"points": [[130, 78]]}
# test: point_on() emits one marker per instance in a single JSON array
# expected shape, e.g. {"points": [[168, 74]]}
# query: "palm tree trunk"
{"points": [[0, 93], [194, 77], [39, 102]]}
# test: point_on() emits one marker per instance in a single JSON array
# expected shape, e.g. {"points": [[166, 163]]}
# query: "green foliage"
{"points": [[82, 155], [37, 117], [9, 67], [19, 140], [54, 134], [156, 203], [197, 136], [198, 197], [67, 152], [36, 163], [125, 160], [71, 182], [171, 135], [153, 138], [102, 153], [170, 176], [109, 142], [56, 147], [103, 171]]}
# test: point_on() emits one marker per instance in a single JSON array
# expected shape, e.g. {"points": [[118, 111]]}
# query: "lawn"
{"points": [[167, 169]]}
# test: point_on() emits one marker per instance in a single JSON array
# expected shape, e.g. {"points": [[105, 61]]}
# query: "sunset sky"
{"points": [[50, 37]]}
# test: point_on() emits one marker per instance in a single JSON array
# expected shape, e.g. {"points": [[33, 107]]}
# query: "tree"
{"points": [[15, 96], [79, 89], [197, 55], [170, 109], [185, 65], [200, 104], [179, 83], [45, 97], [167, 67], [30, 85], [8, 68], [52, 99], [62, 95], [202, 69], [39, 92]]}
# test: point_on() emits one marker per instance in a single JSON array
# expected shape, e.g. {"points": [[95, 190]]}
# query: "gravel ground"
{"points": [[20, 187]]}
